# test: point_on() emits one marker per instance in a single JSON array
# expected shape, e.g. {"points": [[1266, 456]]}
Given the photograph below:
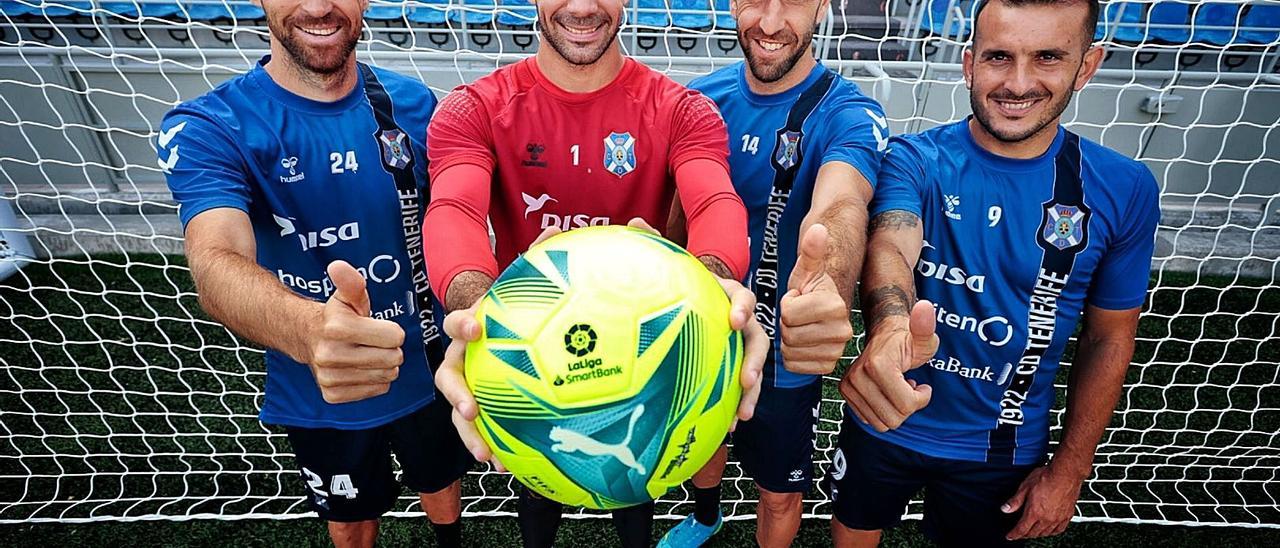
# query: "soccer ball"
{"points": [[607, 372]]}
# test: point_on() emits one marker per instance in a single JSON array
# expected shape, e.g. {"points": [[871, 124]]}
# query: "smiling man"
{"points": [[806, 149], [576, 135], [301, 187], [1015, 228]]}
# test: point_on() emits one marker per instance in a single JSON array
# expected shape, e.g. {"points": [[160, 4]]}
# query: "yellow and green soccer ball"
{"points": [[607, 372]]}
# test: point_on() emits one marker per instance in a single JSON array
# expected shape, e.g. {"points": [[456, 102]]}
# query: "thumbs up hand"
{"points": [[352, 356], [875, 387], [814, 317]]}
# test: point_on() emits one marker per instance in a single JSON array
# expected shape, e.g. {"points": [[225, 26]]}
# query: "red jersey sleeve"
{"points": [[459, 133], [459, 147], [698, 131], [717, 220]]}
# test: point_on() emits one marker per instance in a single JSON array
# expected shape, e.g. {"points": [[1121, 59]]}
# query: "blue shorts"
{"points": [[775, 447], [347, 474], [873, 480]]}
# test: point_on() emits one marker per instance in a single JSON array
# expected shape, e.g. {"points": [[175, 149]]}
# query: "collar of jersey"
{"points": [[1004, 163], [788, 96], [628, 66], [260, 78]]}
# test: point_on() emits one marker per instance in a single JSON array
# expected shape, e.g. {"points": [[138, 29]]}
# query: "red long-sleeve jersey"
{"points": [[530, 155]]}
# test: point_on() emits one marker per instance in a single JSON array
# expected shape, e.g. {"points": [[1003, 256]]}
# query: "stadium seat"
{"points": [[1263, 24], [61, 9], [476, 12], [386, 11], [935, 19], [1215, 14], [1174, 20], [517, 13], [652, 13], [691, 14], [433, 13], [724, 18], [1126, 20]]}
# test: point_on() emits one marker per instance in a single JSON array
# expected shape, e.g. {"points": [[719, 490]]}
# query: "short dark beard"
{"points": [[561, 44], [983, 116], [310, 61], [771, 74]]}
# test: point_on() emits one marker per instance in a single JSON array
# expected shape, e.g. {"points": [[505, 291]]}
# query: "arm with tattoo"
{"points": [[888, 284]]}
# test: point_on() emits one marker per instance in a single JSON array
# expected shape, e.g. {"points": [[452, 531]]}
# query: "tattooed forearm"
{"points": [[883, 302], [893, 220]]}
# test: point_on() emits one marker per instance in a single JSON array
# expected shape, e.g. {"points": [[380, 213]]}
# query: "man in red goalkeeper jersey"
{"points": [[577, 135]]}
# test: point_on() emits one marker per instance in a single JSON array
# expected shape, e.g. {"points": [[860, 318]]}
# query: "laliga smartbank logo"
{"points": [[580, 341]]}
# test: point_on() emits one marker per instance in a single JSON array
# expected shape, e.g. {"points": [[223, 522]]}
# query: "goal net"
{"points": [[121, 400]]}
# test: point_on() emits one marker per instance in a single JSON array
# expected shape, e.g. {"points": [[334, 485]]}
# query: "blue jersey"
{"points": [[1013, 251], [777, 143], [320, 182]]}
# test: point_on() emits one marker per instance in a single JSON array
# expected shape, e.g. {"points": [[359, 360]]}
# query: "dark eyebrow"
{"points": [[987, 54], [1055, 52]]}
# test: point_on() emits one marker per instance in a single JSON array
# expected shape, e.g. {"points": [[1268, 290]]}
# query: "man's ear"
{"points": [[966, 67], [1092, 60]]}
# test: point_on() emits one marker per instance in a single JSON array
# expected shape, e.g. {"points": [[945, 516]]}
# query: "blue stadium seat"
{"points": [[208, 11], [653, 13], [386, 11], [935, 18], [1264, 18], [1126, 18], [1215, 14], [138, 9], [1175, 14], [56, 8], [195, 11], [14, 9], [517, 13], [433, 13], [683, 19], [724, 19], [478, 12]]}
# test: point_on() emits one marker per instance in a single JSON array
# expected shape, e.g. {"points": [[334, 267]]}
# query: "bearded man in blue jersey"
{"points": [[1015, 228], [805, 147], [301, 187]]}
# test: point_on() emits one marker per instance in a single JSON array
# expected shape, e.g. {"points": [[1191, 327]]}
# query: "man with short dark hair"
{"points": [[577, 135], [1015, 227], [806, 147], [302, 186]]}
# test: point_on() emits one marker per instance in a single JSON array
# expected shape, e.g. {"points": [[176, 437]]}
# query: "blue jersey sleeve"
{"points": [[202, 165], [859, 136], [901, 179], [1124, 271]]}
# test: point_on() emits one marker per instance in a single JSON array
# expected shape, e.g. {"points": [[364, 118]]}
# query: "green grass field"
{"points": [[120, 398]]}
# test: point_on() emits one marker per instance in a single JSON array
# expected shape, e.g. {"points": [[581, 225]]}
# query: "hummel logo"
{"points": [[166, 165], [535, 203], [880, 127], [568, 441], [951, 201], [166, 136], [535, 150], [286, 224]]}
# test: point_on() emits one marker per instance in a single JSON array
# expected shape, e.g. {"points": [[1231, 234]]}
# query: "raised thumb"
{"points": [[811, 258], [348, 287]]}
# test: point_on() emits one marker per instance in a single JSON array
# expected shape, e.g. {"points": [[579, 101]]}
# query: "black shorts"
{"points": [[775, 447], [875, 479], [348, 474]]}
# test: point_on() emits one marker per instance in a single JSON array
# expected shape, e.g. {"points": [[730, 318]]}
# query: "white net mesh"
{"points": [[119, 399]]}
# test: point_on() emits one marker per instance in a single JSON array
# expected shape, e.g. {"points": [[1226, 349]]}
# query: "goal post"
{"points": [[121, 400]]}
